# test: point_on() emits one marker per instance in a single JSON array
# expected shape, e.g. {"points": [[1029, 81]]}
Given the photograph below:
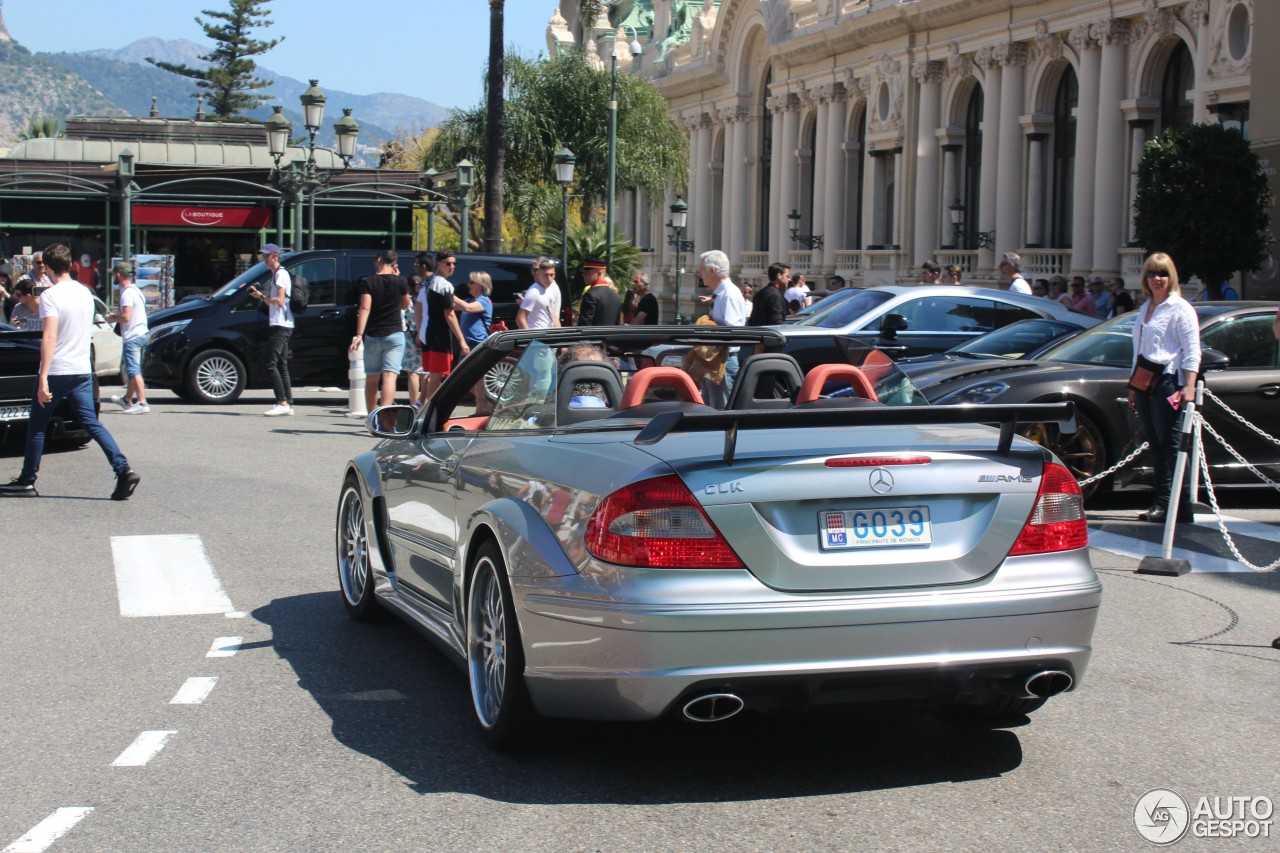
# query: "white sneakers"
{"points": [[121, 401], [278, 410], [138, 409]]}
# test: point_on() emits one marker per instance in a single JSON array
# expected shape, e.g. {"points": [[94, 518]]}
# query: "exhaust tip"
{"points": [[712, 707], [1049, 682]]}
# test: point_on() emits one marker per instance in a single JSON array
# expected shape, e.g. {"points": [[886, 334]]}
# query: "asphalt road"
{"points": [[321, 734]]}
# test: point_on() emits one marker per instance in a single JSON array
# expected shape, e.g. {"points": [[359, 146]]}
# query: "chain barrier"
{"points": [[1213, 498], [1114, 468], [1230, 411]]}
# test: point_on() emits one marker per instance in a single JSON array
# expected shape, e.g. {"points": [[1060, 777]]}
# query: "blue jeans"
{"points": [[79, 390]]}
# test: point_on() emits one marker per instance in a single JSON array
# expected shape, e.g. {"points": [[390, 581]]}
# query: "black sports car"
{"points": [[19, 364], [1092, 370]]}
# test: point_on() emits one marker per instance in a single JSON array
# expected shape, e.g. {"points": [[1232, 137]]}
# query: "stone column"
{"points": [[787, 186], [701, 215], [734, 181], [1035, 189], [1086, 149], [992, 173], [950, 191], [929, 77], [873, 163], [739, 218], [1009, 237], [1196, 14], [822, 184], [1139, 132], [839, 188], [1109, 183], [777, 107]]}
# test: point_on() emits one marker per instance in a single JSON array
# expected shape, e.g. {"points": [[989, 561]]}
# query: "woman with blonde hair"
{"points": [[1166, 364]]}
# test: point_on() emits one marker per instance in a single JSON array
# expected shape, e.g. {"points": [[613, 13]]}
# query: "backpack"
{"points": [[498, 326], [299, 295]]}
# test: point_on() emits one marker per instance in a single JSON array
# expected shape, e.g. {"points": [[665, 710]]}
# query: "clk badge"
{"points": [[881, 481]]}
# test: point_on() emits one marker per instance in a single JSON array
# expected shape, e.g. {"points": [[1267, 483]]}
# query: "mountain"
{"points": [[126, 78], [32, 86]]}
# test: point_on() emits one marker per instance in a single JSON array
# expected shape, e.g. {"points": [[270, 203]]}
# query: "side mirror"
{"points": [[1212, 359], [891, 325], [391, 421]]}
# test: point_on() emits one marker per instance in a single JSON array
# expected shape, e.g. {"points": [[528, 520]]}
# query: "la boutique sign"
{"points": [[201, 217]]}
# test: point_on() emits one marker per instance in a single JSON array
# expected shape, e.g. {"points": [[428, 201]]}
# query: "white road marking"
{"points": [[194, 690], [166, 576], [224, 647], [1240, 526], [1127, 546], [49, 830], [238, 614], [143, 749]]}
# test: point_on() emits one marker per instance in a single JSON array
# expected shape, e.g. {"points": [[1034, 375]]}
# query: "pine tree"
{"points": [[229, 78]]}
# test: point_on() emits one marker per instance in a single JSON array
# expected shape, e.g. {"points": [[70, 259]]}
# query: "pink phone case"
{"points": [[1175, 399]]}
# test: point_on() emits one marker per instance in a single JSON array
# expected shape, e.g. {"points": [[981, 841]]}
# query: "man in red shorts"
{"points": [[442, 323]]}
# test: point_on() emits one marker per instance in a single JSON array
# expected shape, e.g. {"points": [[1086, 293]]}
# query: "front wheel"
{"points": [[495, 657], [355, 572], [216, 376]]}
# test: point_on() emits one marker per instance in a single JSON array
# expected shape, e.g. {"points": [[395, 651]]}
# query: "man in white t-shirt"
{"points": [[281, 319], [1011, 266], [541, 306], [132, 317], [66, 373]]}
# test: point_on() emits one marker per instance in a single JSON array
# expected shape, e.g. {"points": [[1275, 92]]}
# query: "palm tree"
{"points": [[42, 127], [494, 148]]}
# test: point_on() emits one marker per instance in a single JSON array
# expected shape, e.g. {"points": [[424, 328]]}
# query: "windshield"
{"points": [[1015, 340], [826, 303], [253, 274], [1110, 343], [846, 312]]}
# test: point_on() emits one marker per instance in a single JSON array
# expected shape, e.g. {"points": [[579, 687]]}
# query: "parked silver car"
{"points": [[608, 547]]}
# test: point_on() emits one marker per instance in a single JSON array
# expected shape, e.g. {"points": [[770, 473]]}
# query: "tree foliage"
{"points": [[588, 242], [1203, 199], [229, 78], [563, 102], [43, 127]]}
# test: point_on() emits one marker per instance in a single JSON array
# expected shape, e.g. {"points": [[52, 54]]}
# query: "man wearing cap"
{"points": [[132, 317], [86, 272], [26, 314], [601, 304], [281, 320], [66, 373]]}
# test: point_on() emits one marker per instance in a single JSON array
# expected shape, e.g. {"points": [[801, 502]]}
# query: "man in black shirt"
{"points": [[647, 312], [768, 308], [601, 304], [382, 298]]}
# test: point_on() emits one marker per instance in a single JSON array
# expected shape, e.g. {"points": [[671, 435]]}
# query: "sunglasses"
{"points": [[1157, 273]]}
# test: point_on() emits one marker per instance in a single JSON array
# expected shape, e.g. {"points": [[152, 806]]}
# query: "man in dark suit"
{"points": [[768, 308], [601, 304]]}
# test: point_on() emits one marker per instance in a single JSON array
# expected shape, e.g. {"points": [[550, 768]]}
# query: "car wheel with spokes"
{"points": [[216, 376], [496, 377], [355, 572], [495, 658], [1084, 452]]}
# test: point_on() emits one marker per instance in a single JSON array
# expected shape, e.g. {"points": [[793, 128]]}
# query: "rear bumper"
{"points": [[627, 661]]}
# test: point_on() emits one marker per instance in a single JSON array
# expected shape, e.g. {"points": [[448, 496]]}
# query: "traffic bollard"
{"points": [[355, 394], [1165, 564]]}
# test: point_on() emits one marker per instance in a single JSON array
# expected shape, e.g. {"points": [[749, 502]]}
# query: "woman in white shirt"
{"points": [[1166, 333]]}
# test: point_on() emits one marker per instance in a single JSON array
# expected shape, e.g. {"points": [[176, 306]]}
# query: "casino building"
{"points": [[902, 130]]}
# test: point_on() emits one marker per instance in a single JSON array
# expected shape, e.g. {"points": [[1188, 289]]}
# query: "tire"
{"points": [[355, 573], [496, 378], [1084, 452], [495, 656], [216, 376]]}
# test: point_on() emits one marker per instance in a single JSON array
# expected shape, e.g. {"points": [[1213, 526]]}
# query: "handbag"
{"points": [[1145, 375]]}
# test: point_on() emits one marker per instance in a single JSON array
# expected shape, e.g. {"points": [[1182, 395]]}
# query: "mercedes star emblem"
{"points": [[881, 481]]}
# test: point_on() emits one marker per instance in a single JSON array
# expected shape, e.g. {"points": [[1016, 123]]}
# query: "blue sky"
{"points": [[433, 49]]}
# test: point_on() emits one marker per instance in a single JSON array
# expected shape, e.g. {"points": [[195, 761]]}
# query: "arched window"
{"points": [[766, 164], [972, 163], [1179, 78], [1064, 157]]}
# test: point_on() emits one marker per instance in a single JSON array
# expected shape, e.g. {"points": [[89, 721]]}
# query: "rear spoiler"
{"points": [[1007, 416]]}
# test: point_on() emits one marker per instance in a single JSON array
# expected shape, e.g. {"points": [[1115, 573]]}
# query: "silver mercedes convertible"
{"points": [[612, 539]]}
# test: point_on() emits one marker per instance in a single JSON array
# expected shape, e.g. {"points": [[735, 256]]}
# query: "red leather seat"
{"points": [[823, 373], [671, 377]]}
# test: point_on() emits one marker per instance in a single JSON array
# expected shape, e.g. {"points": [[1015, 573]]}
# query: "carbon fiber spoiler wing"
{"points": [[1006, 416]]}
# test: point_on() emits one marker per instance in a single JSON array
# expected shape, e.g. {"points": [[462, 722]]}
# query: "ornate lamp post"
{"points": [[679, 218], [428, 181], [809, 241], [635, 50], [564, 161], [979, 239], [303, 178], [125, 174]]}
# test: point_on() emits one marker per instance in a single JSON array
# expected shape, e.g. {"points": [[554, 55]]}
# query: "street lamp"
{"points": [[636, 50], [564, 161], [466, 178], [304, 178], [679, 218], [428, 181], [124, 174], [809, 241], [980, 239]]}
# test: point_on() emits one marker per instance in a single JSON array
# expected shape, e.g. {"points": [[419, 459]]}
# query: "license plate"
{"points": [[864, 528]]}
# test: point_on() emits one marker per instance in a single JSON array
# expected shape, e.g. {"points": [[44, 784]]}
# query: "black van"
{"points": [[211, 348]]}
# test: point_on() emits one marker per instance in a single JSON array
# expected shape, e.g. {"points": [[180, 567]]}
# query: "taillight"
{"points": [[1058, 521], [657, 524]]}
